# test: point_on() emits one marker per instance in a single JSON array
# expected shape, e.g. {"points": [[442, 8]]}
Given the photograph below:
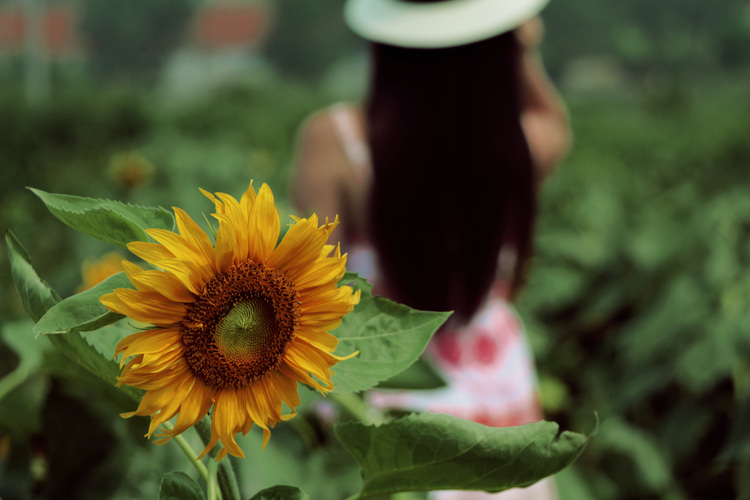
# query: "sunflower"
{"points": [[237, 324]]}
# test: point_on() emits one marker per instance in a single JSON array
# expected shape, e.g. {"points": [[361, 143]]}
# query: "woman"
{"points": [[435, 183]]}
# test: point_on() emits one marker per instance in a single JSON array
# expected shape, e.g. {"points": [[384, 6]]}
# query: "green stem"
{"points": [[227, 479], [188, 450]]}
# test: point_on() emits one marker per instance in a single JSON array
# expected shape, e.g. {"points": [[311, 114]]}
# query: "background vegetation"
{"points": [[638, 301]]}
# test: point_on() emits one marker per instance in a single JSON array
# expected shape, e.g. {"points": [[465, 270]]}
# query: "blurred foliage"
{"points": [[130, 40], [637, 302], [639, 299], [672, 36], [308, 37]]}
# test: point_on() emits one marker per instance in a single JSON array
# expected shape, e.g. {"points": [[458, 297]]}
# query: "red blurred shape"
{"points": [[58, 29], [230, 26]]}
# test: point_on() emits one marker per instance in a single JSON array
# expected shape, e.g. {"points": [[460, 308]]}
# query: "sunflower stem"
{"points": [[189, 452], [227, 480]]}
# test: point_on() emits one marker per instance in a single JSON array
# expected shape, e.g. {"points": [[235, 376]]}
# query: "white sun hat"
{"points": [[444, 23]]}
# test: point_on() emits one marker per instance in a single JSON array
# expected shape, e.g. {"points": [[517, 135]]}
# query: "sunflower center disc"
{"points": [[243, 334], [237, 331]]}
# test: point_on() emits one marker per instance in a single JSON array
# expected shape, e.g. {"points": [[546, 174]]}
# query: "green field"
{"points": [[638, 304]]}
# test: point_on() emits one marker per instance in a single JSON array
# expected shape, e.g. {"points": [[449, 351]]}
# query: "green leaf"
{"points": [[38, 298], [110, 221], [440, 452], [420, 375], [83, 312], [389, 338], [177, 485], [281, 492], [36, 295], [77, 348]]}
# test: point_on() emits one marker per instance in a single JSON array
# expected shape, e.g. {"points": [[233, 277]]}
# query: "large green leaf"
{"points": [[107, 220], [38, 297], [177, 485], [389, 338], [281, 492], [441, 452], [83, 312]]}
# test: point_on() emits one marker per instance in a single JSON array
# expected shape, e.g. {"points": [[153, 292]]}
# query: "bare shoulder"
{"points": [[319, 166], [317, 127], [316, 145], [323, 138]]}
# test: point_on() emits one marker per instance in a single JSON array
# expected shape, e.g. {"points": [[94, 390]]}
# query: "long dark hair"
{"points": [[453, 178]]}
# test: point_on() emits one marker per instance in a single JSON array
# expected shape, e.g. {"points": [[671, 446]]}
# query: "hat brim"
{"points": [[436, 24]]}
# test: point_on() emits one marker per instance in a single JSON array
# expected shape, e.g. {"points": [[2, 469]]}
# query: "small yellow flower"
{"points": [[237, 324], [95, 271], [131, 170]]}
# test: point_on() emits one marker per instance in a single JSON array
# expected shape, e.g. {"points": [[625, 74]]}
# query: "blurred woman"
{"points": [[435, 181]]}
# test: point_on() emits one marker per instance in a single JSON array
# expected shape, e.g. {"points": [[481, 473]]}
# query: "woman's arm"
{"points": [[316, 177], [544, 117]]}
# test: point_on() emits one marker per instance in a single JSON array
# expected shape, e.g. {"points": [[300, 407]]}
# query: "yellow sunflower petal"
{"points": [[196, 236], [150, 252], [318, 338], [236, 224], [194, 407], [299, 249], [322, 272], [309, 360], [264, 225], [156, 281], [147, 307], [248, 198], [178, 395], [301, 375], [148, 341], [185, 252], [268, 398], [228, 419], [226, 247], [186, 272], [255, 409], [286, 388], [151, 378]]}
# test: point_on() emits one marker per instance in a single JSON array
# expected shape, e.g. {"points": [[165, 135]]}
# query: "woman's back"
{"points": [[435, 181]]}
